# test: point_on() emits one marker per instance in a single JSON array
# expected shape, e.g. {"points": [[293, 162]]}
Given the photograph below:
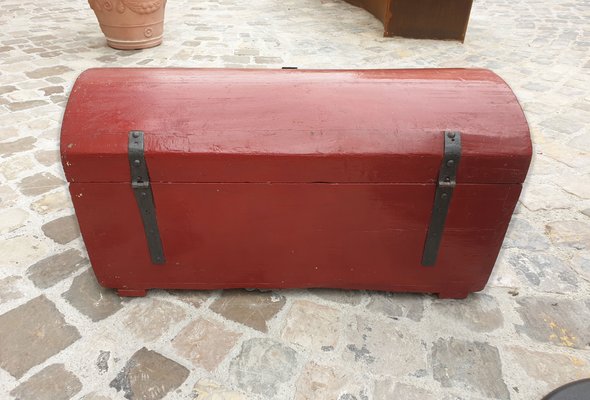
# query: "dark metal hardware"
{"points": [[288, 67], [140, 182], [447, 179]]}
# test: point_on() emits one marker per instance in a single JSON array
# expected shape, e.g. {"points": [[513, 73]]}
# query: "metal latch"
{"points": [[140, 183], [447, 179]]}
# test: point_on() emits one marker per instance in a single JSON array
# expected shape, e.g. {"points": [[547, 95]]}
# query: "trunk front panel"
{"points": [[368, 236]]}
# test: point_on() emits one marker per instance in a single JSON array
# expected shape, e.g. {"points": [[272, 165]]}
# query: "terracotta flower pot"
{"points": [[130, 24]]}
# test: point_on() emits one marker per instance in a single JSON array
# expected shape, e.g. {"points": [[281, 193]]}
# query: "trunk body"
{"points": [[291, 178]]}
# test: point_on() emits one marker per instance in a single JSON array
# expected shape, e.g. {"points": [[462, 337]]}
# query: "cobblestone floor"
{"points": [[63, 337]]}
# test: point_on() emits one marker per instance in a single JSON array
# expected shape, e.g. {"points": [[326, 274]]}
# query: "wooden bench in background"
{"points": [[421, 19]]}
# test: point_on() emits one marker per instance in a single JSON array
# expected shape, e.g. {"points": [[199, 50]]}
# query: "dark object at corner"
{"points": [[578, 390], [421, 19]]}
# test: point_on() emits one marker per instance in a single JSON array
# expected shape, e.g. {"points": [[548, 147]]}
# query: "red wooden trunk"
{"points": [[294, 178]]}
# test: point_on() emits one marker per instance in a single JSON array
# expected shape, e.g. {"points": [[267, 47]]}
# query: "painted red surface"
{"points": [[293, 178]]}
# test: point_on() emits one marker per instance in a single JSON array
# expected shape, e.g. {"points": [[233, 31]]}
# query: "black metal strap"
{"points": [[140, 182], [447, 179]]}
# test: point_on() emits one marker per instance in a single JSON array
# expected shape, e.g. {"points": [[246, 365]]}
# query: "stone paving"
{"points": [[63, 337]]}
